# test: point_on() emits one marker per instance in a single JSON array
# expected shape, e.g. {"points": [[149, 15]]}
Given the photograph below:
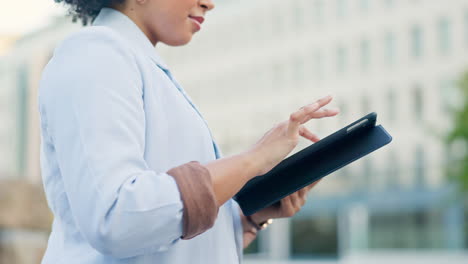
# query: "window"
{"points": [[318, 65], [278, 22], [420, 167], [341, 59], [317, 237], [444, 36], [366, 107], [318, 12], [466, 27], [364, 5], [393, 171], [419, 229], [278, 77], [417, 45], [392, 105], [449, 95], [341, 8], [389, 48], [389, 3], [368, 172], [365, 54], [299, 69], [4, 116], [418, 102], [22, 118], [343, 111], [299, 14]]}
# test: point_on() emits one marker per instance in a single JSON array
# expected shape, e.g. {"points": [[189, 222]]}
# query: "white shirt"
{"points": [[113, 121]]}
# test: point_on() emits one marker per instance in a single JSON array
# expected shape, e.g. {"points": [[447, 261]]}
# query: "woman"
{"points": [[129, 166]]}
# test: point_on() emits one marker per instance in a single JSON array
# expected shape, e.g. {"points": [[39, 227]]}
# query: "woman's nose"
{"points": [[207, 4]]}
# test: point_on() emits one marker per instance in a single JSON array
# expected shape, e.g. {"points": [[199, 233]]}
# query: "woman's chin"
{"points": [[180, 41]]}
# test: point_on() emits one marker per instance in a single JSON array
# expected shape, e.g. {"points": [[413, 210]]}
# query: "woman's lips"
{"points": [[197, 20]]}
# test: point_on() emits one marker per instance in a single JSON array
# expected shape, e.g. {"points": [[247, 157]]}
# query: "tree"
{"points": [[458, 137]]}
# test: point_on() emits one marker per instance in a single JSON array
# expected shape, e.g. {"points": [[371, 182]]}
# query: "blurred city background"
{"points": [[254, 62]]}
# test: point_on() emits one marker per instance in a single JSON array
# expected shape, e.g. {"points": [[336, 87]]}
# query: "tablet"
{"points": [[316, 161]]}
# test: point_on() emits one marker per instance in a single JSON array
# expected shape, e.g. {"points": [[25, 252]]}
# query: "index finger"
{"points": [[297, 118]]}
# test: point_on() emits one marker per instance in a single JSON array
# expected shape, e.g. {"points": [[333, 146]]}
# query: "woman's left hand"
{"points": [[286, 207]]}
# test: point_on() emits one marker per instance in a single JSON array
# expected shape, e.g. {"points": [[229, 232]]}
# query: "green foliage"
{"points": [[458, 168]]}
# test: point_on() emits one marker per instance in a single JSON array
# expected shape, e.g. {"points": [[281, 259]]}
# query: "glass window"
{"points": [[416, 229], [341, 8], [341, 59], [365, 54], [317, 237], [318, 65], [364, 5], [390, 48], [366, 106], [278, 22], [449, 95], [343, 111], [5, 151], [299, 14], [392, 105], [466, 27], [466, 226], [417, 42], [420, 167], [22, 117], [318, 11], [444, 36], [418, 102], [368, 172], [389, 3], [299, 69], [278, 75], [393, 171]]}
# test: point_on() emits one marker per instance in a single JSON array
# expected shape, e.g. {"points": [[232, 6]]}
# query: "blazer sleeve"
{"points": [[91, 95]]}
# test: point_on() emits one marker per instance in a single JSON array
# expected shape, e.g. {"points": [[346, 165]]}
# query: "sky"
{"points": [[18, 17]]}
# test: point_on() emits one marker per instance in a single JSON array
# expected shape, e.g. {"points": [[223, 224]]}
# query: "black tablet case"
{"points": [[313, 163]]}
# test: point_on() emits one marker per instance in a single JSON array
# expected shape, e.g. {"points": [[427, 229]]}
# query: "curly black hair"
{"points": [[86, 10]]}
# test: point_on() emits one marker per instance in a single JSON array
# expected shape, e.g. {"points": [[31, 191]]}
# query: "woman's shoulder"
{"points": [[91, 54], [92, 39]]}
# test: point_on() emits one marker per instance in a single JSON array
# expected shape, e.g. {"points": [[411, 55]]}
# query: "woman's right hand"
{"points": [[279, 141]]}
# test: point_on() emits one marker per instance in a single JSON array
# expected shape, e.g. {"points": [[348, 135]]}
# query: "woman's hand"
{"points": [[278, 142], [271, 149], [249, 231], [230, 174], [287, 207]]}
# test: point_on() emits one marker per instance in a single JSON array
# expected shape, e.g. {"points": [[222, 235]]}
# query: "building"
{"points": [[25, 219], [20, 71], [254, 62]]}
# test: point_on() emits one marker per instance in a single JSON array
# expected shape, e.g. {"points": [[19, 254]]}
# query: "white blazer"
{"points": [[112, 123]]}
